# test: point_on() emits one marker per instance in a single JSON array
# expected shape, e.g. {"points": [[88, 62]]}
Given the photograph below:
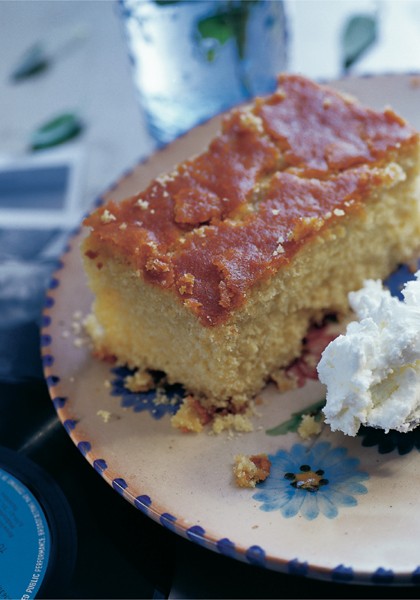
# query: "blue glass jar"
{"points": [[194, 59]]}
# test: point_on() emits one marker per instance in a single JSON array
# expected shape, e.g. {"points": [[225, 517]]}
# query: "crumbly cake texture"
{"points": [[309, 427], [250, 470], [195, 414], [214, 273]]}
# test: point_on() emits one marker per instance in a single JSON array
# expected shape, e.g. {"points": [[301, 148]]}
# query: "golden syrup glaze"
{"points": [[322, 132], [278, 174]]}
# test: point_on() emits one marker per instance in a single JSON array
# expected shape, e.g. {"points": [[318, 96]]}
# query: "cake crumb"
{"points": [[186, 284], [284, 380], [279, 94], [250, 470], [106, 416], [313, 222], [166, 178], [107, 216], [280, 248], [81, 335], [93, 328], [191, 417], [143, 204], [194, 416], [232, 423], [79, 342], [251, 121], [309, 427], [161, 398], [140, 381]]}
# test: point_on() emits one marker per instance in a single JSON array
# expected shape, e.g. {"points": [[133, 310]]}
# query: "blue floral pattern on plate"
{"points": [[311, 481], [161, 400], [393, 440]]}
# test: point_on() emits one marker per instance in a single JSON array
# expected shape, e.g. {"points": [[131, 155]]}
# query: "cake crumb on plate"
{"points": [[250, 470]]}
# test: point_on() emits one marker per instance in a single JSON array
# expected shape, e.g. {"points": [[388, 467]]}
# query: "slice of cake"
{"points": [[215, 272]]}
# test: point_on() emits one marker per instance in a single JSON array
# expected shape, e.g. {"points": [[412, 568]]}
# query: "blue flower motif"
{"points": [[311, 481], [393, 440], [398, 279], [152, 399]]}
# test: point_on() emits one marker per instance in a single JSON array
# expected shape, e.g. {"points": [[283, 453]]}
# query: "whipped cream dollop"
{"points": [[372, 373]]}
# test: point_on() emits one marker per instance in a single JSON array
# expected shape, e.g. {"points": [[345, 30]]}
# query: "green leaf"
{"points": [[226, 24], [239, 16], [57, 131], [293, 423], [216, 27], [359, 34], [287, 426], [32, 62]]}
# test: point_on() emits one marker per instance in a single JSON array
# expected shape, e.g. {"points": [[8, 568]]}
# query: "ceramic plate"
{"points": [[357, 521]]}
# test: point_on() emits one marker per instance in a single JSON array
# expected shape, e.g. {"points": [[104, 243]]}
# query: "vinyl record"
{"points": [[37, 531]]}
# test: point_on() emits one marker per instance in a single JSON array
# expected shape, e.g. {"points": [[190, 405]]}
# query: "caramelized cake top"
{"points": [[278, 172]]}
